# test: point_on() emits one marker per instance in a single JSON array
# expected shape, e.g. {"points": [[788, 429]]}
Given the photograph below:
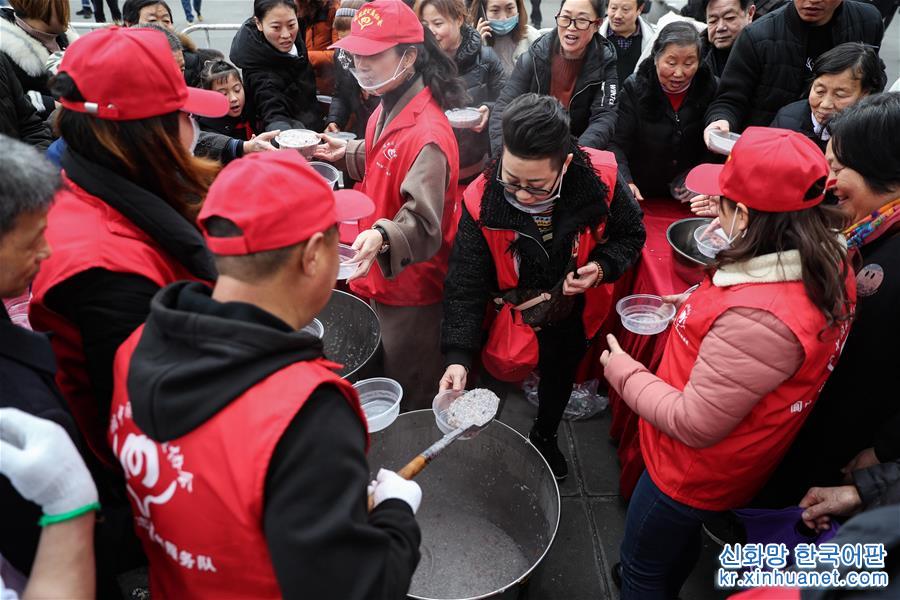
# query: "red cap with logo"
{"points": [[769, 169], [380, 25], [128, 74], [277, 200]]}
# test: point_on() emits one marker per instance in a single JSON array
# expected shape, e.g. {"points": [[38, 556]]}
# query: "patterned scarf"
{"points": [[873, 225]]}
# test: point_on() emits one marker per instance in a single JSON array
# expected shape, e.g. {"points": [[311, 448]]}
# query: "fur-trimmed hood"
{"points": [[25, 51]]}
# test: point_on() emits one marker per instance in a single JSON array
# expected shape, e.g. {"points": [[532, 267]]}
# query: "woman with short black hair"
{"points": [[548, 218], [659, 135], [841, 77], [857, 414]]}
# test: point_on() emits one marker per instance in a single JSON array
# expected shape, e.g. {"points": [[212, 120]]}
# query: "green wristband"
{"points": [[72, 514]]}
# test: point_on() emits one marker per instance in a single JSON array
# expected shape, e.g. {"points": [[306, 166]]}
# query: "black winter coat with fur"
{"points": [[472, 280]]}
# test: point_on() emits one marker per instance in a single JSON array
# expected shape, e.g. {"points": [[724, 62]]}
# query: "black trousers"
{"points": [[561, 347], [114, 11], [536, 13]]}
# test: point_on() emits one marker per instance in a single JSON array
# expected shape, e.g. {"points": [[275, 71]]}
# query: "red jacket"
{"points": [[87, 233], [421, 122], [727, 474], [198, 500], [597, 300]]}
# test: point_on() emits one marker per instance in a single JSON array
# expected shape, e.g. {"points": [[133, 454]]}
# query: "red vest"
{"points": [[597, 300], [728, 474], [87, 233], [198, 500], [421, 122]]}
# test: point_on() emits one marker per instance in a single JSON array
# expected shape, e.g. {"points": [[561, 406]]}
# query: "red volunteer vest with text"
{"points": [[728, 474], [388, 159], [597, 300], [87, 233], [198, 500]]}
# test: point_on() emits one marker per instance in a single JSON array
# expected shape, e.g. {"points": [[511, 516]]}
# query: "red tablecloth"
{"points": [[655, 273]]}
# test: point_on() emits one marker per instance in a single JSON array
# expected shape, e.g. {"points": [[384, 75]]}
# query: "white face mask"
{"points": [[373, 88], [731, 235], [535, 208]]}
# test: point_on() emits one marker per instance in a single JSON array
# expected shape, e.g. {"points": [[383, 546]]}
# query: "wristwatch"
{"points": [[385, 240]]}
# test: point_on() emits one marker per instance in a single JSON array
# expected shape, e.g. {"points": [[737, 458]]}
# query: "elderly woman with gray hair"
{"points": [[659, 135]]}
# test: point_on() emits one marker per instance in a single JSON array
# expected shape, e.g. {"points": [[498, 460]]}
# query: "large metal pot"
{"points": [[490, 508], [689, 263], [352, 334]]}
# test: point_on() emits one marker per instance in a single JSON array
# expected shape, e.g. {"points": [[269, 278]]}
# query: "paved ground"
{"points": [[592, 518]]}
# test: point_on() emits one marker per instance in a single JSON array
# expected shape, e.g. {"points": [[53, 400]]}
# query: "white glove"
{"points": [[42, 463], [390, 485]]}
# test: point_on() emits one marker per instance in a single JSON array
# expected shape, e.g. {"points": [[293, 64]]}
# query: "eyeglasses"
{"points": [[512, 188], [580, 24]]}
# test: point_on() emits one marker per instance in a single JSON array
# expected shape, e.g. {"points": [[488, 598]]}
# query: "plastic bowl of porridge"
{"points": [[463, 118], [302, 140], [645, 314]]}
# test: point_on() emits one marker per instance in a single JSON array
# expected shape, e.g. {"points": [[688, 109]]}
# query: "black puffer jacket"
{"points": [[768, 67], [592, 109], [797, 116], [281, 87], [480, 67], [28, 57], [471, 278], [18, 118], [653, 143]]}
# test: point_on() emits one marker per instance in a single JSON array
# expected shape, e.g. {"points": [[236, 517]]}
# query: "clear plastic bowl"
{"points": [[324, 99], [328, 173], [440, 404], [347, 267], [463, 118], [343, 135], [380, 400], [302, 140], [712, 243], [315, 328], [721, 142], [645, 314]]}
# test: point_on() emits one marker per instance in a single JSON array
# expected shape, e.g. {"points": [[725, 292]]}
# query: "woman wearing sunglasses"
{"points": [[543, 230], [574, 64]]}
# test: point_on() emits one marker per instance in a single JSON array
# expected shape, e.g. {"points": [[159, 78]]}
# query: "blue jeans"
{"points": [[661, 543], [186, 5]]}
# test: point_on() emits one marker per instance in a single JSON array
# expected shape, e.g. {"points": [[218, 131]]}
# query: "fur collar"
{"points": [[23, 49], [768, 268]]}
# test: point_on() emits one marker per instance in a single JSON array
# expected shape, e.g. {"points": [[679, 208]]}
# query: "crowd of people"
{"points": [[162, 409]]}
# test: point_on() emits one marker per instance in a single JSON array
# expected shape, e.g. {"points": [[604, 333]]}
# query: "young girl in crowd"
{"points": [[841, 77], [577, 66], [409, 166], [659, 132], [276, 67], [240, 122], [748, 354], [479, 67], [351, 107], [503, 25]]}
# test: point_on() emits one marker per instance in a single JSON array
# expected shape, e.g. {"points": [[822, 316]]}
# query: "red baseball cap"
{"points": [[127, 74], [769, 169], [277, 200], [380, 25]]}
